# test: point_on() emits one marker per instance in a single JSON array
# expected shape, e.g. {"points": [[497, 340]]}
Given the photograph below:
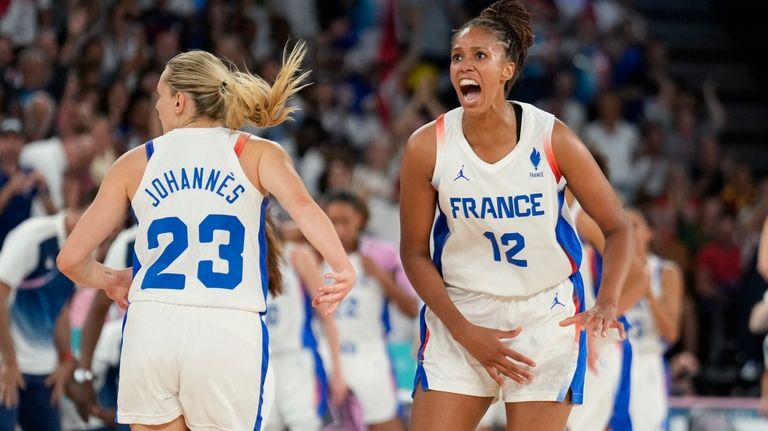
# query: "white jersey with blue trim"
{"points": [[362, 317], [643, 333], [200, 238], [39, 291], [289, 315], [503, 228]]}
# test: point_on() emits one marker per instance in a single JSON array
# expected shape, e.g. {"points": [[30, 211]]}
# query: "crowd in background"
{"points": [[77, 89]]}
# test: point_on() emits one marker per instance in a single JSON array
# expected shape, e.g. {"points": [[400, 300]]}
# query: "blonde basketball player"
{"points": [[502, 288], [194, 351]]}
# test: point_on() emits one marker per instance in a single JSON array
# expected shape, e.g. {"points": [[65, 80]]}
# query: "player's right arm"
{"points": [[105, 214], [417, 210]]}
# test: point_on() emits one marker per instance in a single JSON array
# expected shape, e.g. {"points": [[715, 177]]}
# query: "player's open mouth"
{"points": [[470, 90]]}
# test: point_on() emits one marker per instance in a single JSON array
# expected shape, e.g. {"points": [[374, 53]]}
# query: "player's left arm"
{"points": [[638, 283], [667, 309], [594, 193]]}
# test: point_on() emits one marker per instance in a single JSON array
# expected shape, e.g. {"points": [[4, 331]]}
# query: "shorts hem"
{"points": [[127, 419], [462, 390], [520, 397]]}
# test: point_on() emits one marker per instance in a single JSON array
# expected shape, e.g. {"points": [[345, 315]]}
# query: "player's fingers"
{"points": [[519, 357], [332, 297], [334, 288], [514, 372], [331, 308], [622, 332], [494, 373], [598, 326], [512, 333], [50, 380], [573, 320], [336, 276]]}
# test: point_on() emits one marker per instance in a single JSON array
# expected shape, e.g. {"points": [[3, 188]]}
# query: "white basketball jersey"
{"points": [[502, 228], [643, 333], [361, 316], [289, 315], [200, 238]]}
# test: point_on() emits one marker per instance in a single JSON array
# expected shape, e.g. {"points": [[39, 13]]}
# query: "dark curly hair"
{"points": [[510, 22]]}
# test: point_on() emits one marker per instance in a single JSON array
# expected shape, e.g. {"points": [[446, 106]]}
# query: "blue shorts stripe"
{"points": [[264, 367]]}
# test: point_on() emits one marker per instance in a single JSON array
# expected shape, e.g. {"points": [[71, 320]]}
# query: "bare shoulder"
{"points": [[563, 135], [421, 149], [129, 168], [671, 269]]}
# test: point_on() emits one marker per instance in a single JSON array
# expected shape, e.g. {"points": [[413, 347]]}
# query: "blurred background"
{"points": [[671, 92]]}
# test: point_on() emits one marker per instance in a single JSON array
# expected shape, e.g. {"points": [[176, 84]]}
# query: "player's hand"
{"points": [[118, 285], [485, 345], [10, 382], [332, 294], [57, 380], [597, 320]]}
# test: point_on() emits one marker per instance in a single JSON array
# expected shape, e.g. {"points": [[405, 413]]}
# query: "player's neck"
{"points": [[200, 122]]}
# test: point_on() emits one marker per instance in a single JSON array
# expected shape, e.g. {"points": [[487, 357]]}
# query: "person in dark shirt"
{"points": [[18, 185]]}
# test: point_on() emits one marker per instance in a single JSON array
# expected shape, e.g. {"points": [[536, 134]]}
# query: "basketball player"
{"points": [[195, 347], [606, 384], [654, 325], [502, 287], [363, 318], [301, 386]]}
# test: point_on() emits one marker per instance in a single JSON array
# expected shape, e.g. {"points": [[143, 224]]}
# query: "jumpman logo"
{"points": [[556, 302], [461, 174]]}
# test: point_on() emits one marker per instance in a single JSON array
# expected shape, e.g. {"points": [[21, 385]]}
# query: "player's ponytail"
{"points": [[250, 99], [274, 255], [510, 22], [235, 97]]}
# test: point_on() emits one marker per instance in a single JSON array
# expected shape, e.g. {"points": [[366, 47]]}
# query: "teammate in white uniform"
{"points": [[654, 324], [34, 323], [302, 388], [363, 318], [506, 256], [606, 384], [195, 347]]}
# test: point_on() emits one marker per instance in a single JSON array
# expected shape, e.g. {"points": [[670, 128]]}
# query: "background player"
{"points": [[363, 319], [654, 325], [202, 270], [302, 390]]}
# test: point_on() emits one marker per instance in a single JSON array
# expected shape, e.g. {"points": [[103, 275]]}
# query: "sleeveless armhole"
{"points": [[550, 153], [149, 147], [439, 143], [240, 144], [576, 211]]}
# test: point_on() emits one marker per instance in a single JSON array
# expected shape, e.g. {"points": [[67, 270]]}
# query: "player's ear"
{"points": [[508, 71]]}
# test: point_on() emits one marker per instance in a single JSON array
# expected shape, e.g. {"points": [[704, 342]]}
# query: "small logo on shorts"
{"points": [[556, 301], [461, 174]]}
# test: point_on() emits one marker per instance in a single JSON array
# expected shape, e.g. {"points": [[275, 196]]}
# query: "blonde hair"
{"points": [[238, 98]]}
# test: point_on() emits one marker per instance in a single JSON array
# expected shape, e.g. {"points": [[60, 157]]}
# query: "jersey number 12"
{"points": [[513, 240]]}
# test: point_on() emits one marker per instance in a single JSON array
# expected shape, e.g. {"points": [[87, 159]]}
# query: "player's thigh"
{"points": [[445, 411], [538, 415]]}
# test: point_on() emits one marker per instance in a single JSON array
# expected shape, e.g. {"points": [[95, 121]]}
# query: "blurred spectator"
{"points": [[19, 185], [617, 139], [55, 159], [563, 105], [651, 163]]}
